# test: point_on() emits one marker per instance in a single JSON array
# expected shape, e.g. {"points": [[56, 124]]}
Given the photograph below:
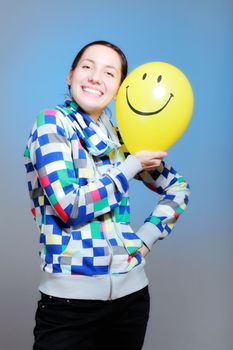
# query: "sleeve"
{"points": [[174, 195], [74, 199]]}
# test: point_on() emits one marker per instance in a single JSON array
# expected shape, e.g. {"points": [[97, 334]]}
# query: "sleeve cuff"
{"points": [[130, 167], [149, 234]]}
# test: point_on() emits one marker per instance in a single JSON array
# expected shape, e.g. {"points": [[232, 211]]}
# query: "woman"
{"points": [[94, 290]]}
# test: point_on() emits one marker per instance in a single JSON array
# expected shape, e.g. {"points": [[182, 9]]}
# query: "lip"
{"points": [[146, 113], [92, 90]]}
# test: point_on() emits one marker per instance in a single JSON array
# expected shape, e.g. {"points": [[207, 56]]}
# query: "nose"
{"points": [[95, 76]]}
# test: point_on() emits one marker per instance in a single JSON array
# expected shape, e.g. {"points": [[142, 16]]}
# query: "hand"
{"points": [[143, 250], [150, 160]]}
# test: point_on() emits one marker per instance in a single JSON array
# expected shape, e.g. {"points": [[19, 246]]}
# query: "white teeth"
{"points": [[96, 92]]}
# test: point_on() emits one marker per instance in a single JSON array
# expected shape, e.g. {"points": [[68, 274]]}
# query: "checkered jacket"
{"points": [[80, 201]]}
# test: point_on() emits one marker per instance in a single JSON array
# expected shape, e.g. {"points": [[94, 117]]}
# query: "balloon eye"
{"points": [[144, 76], [159, 78]]}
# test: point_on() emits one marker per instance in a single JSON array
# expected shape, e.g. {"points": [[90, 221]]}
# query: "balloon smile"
{"points": [[146, 113]]}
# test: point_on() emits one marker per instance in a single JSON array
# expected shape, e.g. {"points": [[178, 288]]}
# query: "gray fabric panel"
{"points": [[66, 260]]}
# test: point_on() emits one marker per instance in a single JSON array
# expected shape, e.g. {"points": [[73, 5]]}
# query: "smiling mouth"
{"points": [[146, 113], [92, 91]]}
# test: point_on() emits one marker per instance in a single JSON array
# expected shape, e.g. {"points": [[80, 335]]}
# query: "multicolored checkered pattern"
{"points": [[174, 196], [80, 198]]}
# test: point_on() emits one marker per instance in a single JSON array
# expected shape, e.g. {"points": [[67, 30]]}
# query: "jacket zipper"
{"points": [[110, 274], [110, 263], [113, 220]]}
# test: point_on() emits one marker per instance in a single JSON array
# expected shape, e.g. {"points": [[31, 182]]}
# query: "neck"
{"points": [[95, 115]]}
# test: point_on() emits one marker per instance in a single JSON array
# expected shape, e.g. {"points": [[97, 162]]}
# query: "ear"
{"points": [[69, 77]]}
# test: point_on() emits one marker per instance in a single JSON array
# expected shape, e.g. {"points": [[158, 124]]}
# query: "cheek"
{"points": [[78, 77], [113, 88]]}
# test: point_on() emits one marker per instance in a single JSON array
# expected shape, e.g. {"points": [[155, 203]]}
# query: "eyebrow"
{"points": [[92, 61]]}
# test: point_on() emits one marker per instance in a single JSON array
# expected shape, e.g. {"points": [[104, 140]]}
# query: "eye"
{"points": [[159, 78], [110, 74], [85, 66], [144, 76]]}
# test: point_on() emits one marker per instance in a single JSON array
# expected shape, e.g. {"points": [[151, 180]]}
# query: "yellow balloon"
{"points": [[154, 106]]}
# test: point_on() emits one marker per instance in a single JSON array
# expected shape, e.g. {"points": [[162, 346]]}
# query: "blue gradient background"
{"points": [[190, 271]]}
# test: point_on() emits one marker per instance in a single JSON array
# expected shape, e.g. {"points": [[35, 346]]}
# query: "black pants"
{"points": [[68, 324]]}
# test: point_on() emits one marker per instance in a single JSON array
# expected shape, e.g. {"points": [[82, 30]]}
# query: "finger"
{"points": [[153, 162], [152, 167], [156, 154], [160, 154]]}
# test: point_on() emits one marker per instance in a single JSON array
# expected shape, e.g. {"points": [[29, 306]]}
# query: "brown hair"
{"points": [[124, 63]]}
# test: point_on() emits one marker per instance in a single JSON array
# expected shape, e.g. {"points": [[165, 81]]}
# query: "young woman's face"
{"points": [[95, 80]]}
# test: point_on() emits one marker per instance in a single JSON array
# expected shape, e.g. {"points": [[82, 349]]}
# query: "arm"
{"points": [[174, 194], [74, 199]]}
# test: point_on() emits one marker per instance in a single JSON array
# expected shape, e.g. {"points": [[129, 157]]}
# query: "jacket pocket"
{"points": [[87, 252], [130, 240], [135, 259]]}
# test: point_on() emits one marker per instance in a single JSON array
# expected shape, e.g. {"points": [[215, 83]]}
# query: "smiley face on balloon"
{"points": [[153, 107]]}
